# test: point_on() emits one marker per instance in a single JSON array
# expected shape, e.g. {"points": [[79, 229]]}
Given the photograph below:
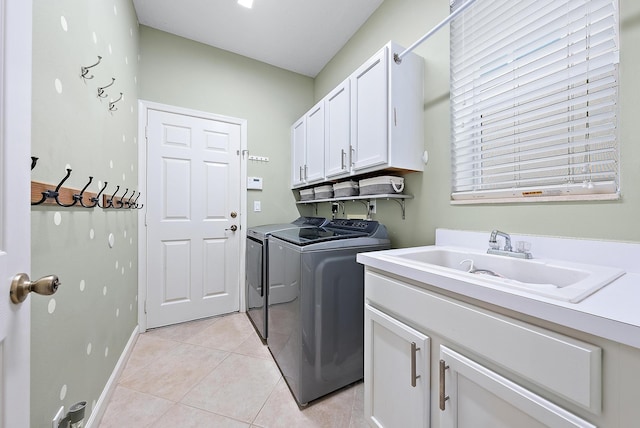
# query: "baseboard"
{"points": [[107, 392]]}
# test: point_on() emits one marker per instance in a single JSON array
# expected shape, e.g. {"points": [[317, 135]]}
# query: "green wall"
{"points": [[78, 334], [405, 21], [180, 72]]}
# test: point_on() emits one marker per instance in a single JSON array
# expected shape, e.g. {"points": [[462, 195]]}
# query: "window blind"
{"points": [[534, 99]]}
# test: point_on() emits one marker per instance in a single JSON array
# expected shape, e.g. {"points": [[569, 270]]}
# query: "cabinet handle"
{"points": [[395, 117], [443, 396], [342, 159], [300, 172], [352, 155], [306, 172], [414, 377]]}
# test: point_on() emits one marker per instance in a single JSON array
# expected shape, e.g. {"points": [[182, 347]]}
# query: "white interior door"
{"points": [[193, 217], [15, 147]]}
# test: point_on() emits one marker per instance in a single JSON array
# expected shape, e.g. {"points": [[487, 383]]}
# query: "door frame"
{"points": [[143, 111]]}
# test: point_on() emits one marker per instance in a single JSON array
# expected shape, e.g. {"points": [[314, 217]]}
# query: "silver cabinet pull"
{"points": [[21, 286], [306, 172], [353, 156], [443, 396], [343, 156], [414, 377], [300, 172]]}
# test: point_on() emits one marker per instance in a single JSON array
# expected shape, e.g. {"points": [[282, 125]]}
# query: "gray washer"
{"points": [[316, 319]]}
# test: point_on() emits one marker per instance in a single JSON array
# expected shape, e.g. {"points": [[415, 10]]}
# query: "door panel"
{"points": [[15, 238], [193, 179]]}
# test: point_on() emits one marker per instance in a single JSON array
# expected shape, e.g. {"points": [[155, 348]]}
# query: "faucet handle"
{"points": [[523, 246]]}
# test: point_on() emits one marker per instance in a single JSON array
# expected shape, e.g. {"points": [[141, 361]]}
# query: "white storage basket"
{"points": [[323, 192], [306, 194], [345, 188], [386, 184]]}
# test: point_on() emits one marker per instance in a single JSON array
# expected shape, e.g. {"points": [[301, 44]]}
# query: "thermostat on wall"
{"points": [[254, 183]]}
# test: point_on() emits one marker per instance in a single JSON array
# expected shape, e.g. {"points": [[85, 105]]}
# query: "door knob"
{"points": [[21, 286], [233, 228], [234, 214]]}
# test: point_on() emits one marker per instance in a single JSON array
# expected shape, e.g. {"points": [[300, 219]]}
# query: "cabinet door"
{"points": [[314, 165], [396, 372], [338, 132], [369, 112], [479, 397], [298, 141]]}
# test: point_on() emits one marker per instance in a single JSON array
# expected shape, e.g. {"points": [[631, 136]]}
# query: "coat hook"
{"points": [[101, 89], [135, 201], [75, 201], [128, 203], [112, 104], [120, 201], [96, 199], [110, 200], [85, 70], [54, 193], [34, 161], [79, 196]]}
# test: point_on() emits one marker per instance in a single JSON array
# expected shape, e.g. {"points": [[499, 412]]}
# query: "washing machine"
{"points": [[256, 273], [316, 319]]}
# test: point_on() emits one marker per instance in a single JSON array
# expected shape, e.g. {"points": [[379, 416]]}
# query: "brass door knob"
{"points": [[21, 286]]}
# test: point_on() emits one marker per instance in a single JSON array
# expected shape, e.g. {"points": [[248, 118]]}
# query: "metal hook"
{"points": [[96, 199], [112, 104], [75, 201], [128, 204], [79, 196], [135, 201], [34, 160], [110, 200], [101, 89], [119, 201], [54, 193], [85, 70]]}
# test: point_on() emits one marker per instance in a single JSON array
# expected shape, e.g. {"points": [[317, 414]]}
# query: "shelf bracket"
{"points": [[401, 203]]}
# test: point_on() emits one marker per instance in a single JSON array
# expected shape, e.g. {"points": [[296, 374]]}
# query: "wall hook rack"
{"points": [[84, 71], [112, 104], [34, 161], [101, 89], [84, 198]]}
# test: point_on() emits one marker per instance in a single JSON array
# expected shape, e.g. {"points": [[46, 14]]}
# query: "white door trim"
{"points": [[143, 110]]}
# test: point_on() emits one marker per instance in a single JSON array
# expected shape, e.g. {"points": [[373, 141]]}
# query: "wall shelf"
{"points": [[398, 198]]}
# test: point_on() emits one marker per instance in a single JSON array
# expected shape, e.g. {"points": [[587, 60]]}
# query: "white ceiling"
{"points": [[297, 35]]}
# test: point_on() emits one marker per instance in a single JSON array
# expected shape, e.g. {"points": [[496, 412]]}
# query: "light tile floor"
{"points": [[217, 373]]}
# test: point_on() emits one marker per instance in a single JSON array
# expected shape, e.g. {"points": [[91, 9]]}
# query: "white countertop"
{"points": [[613, 312]]}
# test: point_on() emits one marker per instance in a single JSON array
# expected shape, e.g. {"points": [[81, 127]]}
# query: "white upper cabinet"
{"points": [[307, 148], [369, 110], [298, 142], [372, 121], [338, 132]]}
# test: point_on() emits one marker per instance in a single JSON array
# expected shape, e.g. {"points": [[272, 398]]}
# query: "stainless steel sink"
{"points": [[555, 279]]}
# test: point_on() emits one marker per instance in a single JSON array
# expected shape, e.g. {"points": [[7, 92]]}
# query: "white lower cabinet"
{"points": [[476, 368], [471, 396], [396, 366]]}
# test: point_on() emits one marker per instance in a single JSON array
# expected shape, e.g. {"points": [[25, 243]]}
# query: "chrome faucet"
{"points": [[522, 251], [493, 243]]}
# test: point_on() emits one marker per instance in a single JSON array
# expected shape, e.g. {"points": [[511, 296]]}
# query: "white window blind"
{"points": [[534, 100]]}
